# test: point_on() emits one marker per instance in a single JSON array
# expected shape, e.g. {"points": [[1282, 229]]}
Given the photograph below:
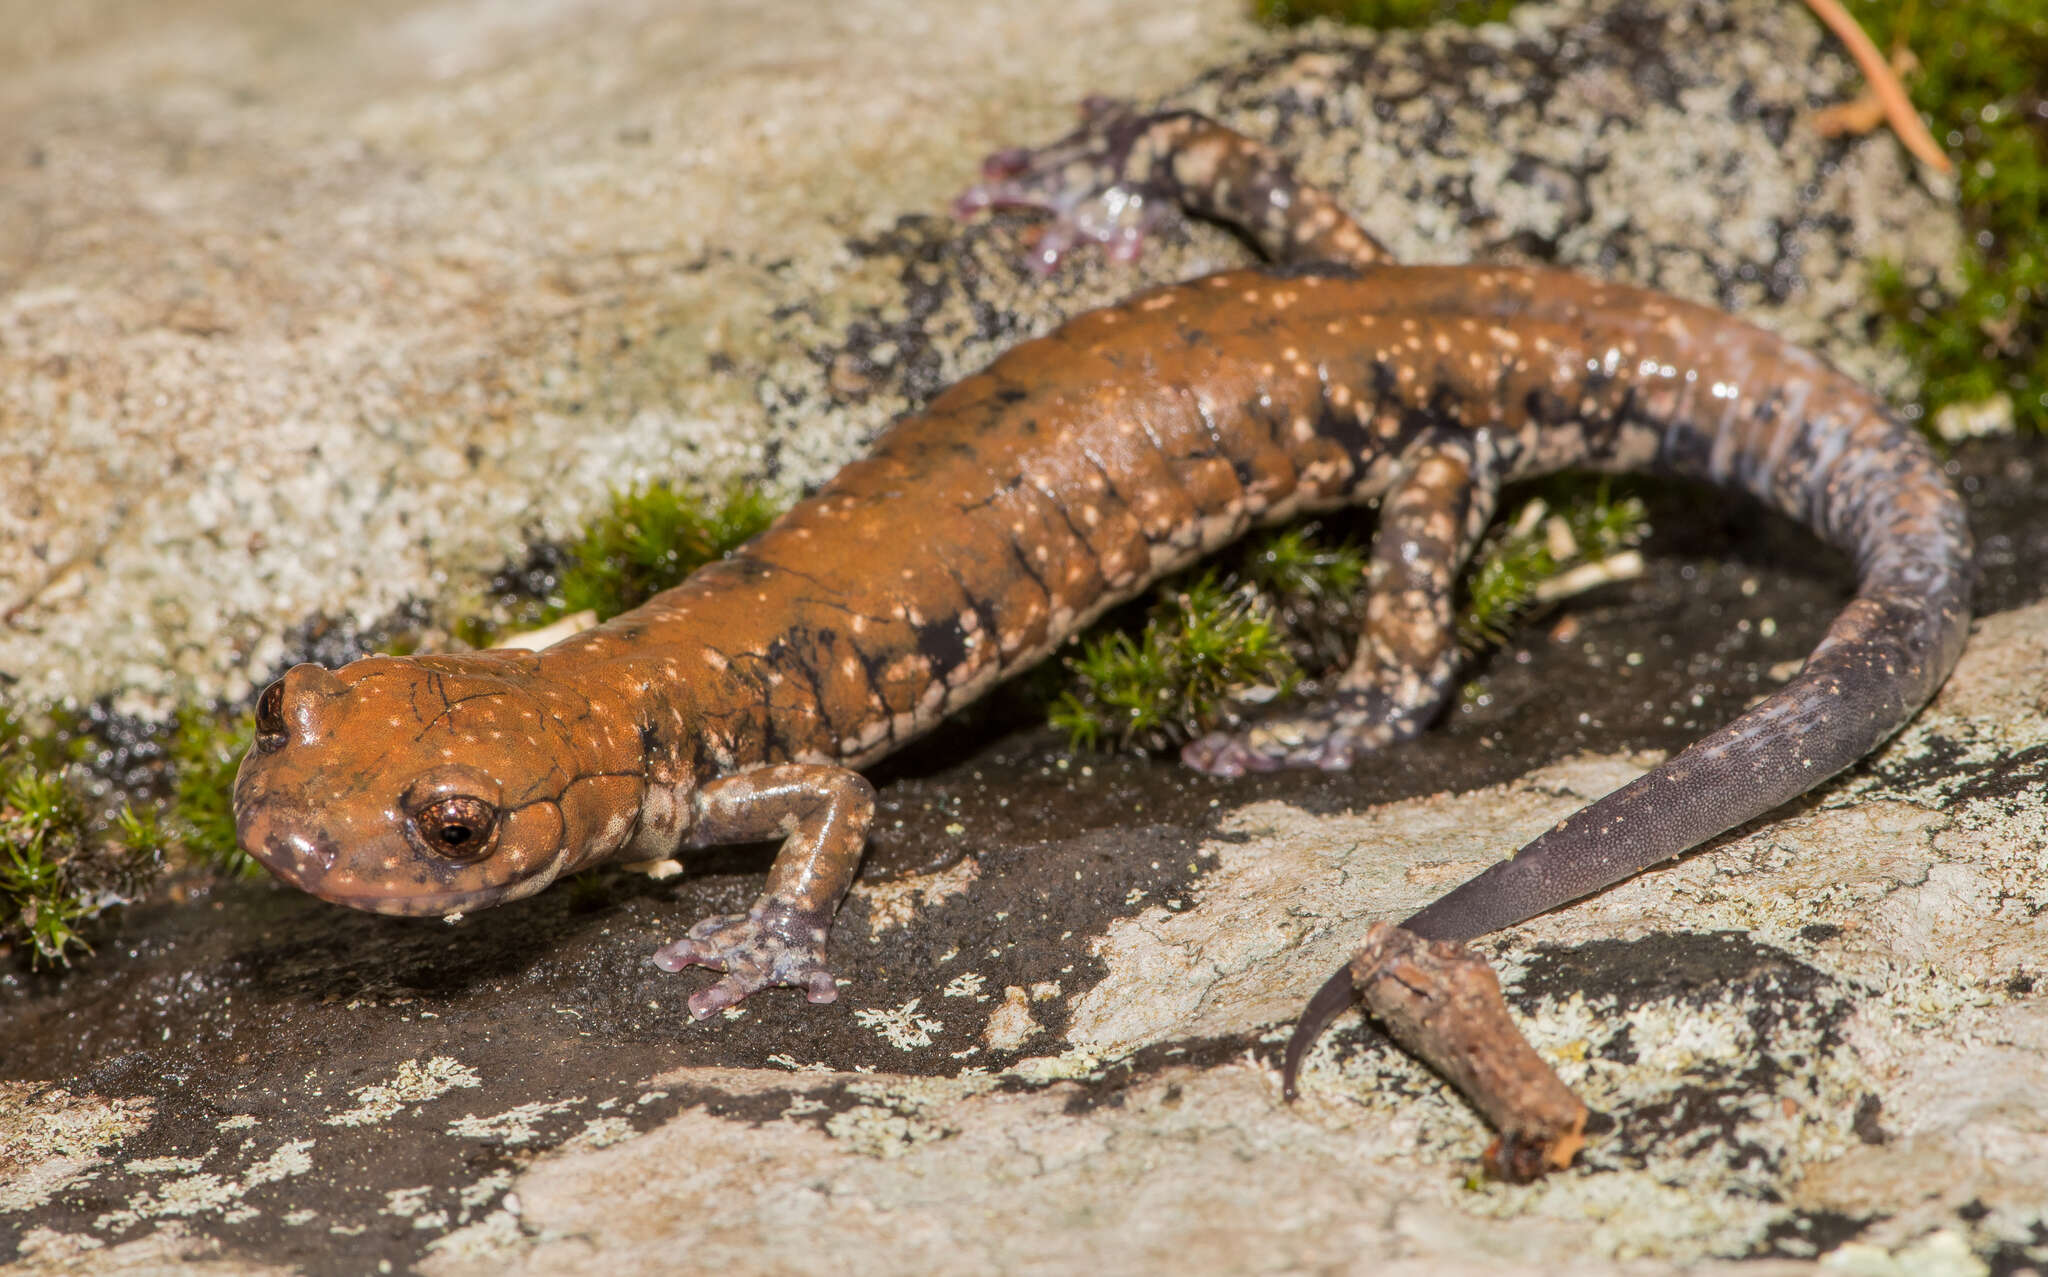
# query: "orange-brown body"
{"points": [[1071, 473]]}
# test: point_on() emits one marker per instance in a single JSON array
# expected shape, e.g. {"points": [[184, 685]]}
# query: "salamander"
{"points": [[1073, 471]]}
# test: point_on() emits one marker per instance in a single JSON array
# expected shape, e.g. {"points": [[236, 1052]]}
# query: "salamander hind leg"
{"points": [[1124, 172], [1407, 657], [822, 815]]}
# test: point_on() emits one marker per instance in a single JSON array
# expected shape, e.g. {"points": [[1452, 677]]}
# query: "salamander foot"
{"points": [[1087, 180], [771, 944], [1330, 735]]}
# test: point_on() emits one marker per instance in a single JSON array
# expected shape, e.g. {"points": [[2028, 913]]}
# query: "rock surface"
{"points": [[324, 312], [1829, 1025]]}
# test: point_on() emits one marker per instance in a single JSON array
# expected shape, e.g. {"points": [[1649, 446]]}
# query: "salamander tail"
{"points": [[1328, 1003]]}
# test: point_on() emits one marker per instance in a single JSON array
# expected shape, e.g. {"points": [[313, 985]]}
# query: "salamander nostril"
{"points": [[270, 735]]}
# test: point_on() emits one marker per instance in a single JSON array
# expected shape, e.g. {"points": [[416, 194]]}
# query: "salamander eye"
{"points": [[458, 828], [270, 734]]}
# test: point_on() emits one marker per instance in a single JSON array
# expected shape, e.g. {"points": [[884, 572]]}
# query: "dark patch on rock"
{"points": [[1938, 758], [820, 1105], [131, 753], [2004, 483], [1620, 1046], [336, 640], [1805, 1234], [904, 347], [1868, 1123], [2013, 1259], [2020, 773], [1686, 966]]}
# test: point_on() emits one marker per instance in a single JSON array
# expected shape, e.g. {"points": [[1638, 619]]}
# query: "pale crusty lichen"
{"points": [[413, 1083], [51, 1138]]}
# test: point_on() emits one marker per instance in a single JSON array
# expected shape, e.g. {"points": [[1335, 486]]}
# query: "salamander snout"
{"points": [[302, 857]]}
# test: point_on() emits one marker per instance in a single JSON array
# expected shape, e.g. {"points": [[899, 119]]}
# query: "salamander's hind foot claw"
{"points": [[1096, 182], [770, 944], [1330, 735]]}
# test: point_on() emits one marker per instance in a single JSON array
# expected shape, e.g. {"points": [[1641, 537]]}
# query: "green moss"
{"points": [[651, 538], [1383, 14], [205, 751], [1202, 644], [647, 540], [58, 866], [1982, 87], [1315, 589]]}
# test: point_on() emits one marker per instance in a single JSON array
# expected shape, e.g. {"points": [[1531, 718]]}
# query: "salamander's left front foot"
{"points": [[1089, 181], [770, 944]]}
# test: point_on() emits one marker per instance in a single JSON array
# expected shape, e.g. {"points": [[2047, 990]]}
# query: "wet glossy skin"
{"points": [[1071, 473]]}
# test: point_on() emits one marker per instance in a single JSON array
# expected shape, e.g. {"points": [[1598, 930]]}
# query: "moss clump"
{"points": [[1981, 85], [649, 540], [1201, 645], [1315, 587], [1383, 14], [205, 751], [58, 866]]}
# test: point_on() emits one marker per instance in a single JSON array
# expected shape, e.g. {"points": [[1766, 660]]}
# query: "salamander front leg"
{"points": [[822, 814], [1408, 654]]}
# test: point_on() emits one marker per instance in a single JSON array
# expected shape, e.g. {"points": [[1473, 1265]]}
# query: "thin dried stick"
{"points": [[1884, 82], [1442, 1002]]}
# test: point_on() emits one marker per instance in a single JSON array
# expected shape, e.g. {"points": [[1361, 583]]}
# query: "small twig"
{"points": [[1884, 83], [1442, 1002], [1625, 566]]}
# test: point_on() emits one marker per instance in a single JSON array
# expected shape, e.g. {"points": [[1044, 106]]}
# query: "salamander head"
{"points": [[432, 785]]}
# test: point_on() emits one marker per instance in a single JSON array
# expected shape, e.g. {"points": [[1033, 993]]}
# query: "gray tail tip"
{"points": [[1329, 1002]]}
